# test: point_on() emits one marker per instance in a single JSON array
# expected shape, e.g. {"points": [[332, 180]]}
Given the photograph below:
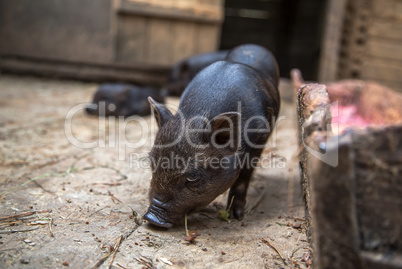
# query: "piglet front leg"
{"points": [[238, 193]]}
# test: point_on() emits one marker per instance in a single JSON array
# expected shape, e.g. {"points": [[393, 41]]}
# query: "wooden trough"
{"points": [[352, 182]]}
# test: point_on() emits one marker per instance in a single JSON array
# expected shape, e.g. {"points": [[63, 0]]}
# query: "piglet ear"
{"points": [[161, 113], [223, 132]]}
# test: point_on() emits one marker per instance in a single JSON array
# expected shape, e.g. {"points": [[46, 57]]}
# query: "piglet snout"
{"points": [[156, 215], [91, 109]]}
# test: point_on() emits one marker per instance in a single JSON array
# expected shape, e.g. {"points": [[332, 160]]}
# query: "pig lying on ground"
{"points": [[122, 100], [224, 119], [185, 70]]}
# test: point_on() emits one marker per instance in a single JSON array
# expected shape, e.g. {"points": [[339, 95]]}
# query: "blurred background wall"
{"points": [[139, 40]]}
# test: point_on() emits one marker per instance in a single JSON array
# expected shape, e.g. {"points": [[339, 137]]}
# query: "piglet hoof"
{"points": [[236, 211]]}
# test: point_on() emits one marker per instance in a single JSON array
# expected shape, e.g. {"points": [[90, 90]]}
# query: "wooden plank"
{"points": [[87, 72], [378, 189], [335, 228], [72, 30], [381, 48], [394, 85], [181, 3], [207, 39], [389, 9], [184, 40], [357, 20], [386, 29], [381, 69], [166, 10], [218, 3], [331, 40], [159, 41], [131, 44]]}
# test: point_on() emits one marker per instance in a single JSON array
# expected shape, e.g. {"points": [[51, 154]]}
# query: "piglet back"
{"points": [[263, 62], [259, 58]]}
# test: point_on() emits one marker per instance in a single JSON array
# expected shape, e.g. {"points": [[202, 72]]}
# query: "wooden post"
{"points": [[331, 40]]}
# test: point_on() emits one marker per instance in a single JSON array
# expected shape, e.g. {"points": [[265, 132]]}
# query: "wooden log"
{"points": [[312, 100]]}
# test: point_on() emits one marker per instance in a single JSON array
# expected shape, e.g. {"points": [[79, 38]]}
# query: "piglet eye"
{"points": [[192, 179]]}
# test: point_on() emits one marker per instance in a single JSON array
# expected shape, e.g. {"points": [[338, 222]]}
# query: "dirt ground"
{"points": [[63, 205]]}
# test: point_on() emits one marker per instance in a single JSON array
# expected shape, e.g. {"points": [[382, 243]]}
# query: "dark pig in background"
{"points": [[185, 70], [224, 119], [122, 100]]}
